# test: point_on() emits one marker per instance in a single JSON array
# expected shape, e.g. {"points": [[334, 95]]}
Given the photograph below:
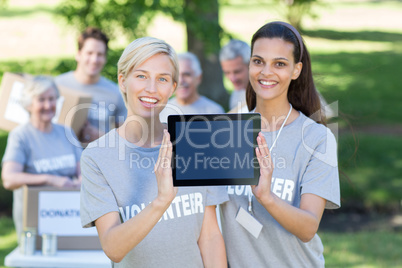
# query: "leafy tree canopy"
{"points": [[132, 17]]}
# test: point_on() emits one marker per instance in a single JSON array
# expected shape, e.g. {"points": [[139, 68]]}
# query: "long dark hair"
{"points": [[302, 93]]}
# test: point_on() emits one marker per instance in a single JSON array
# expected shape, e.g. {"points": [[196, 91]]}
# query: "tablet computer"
{"points": [[214, 149]]}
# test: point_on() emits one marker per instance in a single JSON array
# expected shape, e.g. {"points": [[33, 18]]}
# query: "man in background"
{"points": [[234, 58], [187, 100], [107, 109]]}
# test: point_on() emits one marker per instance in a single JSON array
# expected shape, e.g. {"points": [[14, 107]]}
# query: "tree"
{"points": [[296, 10], [132, 17]]}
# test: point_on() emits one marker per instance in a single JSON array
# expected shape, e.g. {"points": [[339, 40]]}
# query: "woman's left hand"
{"points": [[263, 189]]}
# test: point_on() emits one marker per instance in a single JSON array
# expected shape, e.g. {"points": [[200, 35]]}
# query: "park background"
{"points": [[356, 51]]}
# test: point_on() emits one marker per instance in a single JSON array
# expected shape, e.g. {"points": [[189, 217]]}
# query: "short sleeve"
{"points": [[97, 198], [321, 176], [216, 195], [17, 148]]}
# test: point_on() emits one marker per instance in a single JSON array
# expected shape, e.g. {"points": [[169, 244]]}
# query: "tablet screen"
{"points": [[214, 149]]}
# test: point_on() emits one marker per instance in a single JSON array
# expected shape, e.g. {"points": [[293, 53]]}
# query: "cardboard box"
{"points": [[53, 210], [70, 111]]}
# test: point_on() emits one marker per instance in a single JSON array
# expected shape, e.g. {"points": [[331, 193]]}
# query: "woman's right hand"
{"points": [[163, 171]]}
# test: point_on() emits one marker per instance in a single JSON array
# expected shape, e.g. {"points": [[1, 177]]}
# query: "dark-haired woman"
{"points": [[275, 223]]}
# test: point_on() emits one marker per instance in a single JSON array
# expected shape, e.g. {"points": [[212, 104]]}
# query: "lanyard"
{"points": [[250, 193]]}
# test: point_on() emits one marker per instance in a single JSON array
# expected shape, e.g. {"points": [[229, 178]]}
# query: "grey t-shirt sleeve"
{"points": [[97, 198], [216, 195], [16, 148], [321, 176]]}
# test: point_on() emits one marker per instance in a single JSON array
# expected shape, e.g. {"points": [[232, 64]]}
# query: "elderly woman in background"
{"points": [[40, 152]]}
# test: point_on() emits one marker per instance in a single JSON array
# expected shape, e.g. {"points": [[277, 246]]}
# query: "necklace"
{"points": [[280, 130], [250, 195]]}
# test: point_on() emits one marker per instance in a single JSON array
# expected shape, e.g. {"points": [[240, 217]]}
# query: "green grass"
{"points": [[365, 84], [6, 197], [374, 171], [26, 13], [55, 67], [375, 5], [366, 249], [8, 239], [363, 35]]}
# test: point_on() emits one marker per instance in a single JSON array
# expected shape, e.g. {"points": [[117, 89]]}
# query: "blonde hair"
{"points": [[36, 86], [140, 50]]}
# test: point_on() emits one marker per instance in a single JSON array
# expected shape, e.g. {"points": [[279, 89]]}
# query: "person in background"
{"points": [[40, 152], [107, 110], [127, 187], [297, 157], [187, 100], [234, 58]]}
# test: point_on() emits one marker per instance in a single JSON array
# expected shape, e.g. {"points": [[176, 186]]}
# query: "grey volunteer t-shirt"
{"points": [[55, 153], [305, 159], [119, 176], [237, 96], [201, 106], [107, 107]]}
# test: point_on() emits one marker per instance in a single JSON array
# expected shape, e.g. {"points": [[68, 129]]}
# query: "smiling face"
{"points": [[272, 68], [148, 86], [236, 71], [43, 106], [91, 58]]}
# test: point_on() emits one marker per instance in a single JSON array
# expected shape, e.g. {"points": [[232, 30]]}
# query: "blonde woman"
{"points": [[127, 190]]}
